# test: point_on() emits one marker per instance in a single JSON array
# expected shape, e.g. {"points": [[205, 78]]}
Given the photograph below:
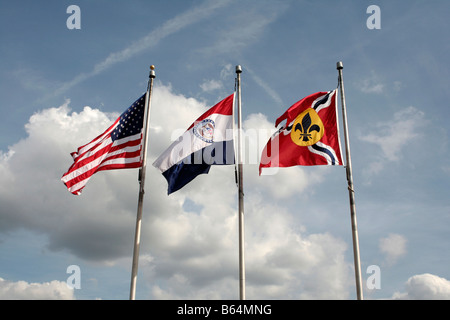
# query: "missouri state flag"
{"points": [[208, 141], [309, 137]]}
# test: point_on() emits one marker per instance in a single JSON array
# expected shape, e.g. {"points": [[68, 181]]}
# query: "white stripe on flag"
{"points": [[188, 143], [121, 161], [96, 141]]}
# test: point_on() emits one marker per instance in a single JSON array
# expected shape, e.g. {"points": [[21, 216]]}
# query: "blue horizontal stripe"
{"points": [[199, 162]]}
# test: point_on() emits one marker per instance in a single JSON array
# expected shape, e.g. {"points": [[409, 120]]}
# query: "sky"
{"points": [[60, 87]]}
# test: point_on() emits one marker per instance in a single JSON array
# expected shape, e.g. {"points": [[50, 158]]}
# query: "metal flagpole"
{"points": [[137, 236], [240, 189], [351, 191]]}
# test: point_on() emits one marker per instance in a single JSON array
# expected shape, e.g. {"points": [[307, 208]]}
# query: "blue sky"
{"points": [[59, 88]]}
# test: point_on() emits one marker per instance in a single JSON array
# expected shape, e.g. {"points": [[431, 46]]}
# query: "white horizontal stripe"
{"points": [[121, 161], [98, 140], [107, 141], [98, 161], [188, 143], [79, 185], [82, 183], [85, 168], [135, 137], [123, 150]]}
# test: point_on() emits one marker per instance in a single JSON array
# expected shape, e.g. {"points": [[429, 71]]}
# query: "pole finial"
{"points": [[152, 71], [238, 69], [339, 65]]}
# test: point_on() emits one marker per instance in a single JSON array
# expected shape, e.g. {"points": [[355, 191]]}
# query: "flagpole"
{"points": [[240, 188], [351, 191], [137, 235]]}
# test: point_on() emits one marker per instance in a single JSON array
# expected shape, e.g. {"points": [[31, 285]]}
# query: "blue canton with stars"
{"points": [[131, 121]]}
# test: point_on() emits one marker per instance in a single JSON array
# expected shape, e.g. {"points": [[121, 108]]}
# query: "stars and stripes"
{"points": [[119, 147]]}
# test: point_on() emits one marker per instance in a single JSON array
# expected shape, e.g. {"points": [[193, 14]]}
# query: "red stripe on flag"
{"points": [[102, 153], [224, 107]]}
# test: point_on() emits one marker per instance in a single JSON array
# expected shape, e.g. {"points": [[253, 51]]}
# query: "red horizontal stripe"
{"points": [[81, 163], [132, 165], [80, 149], [81, 177], [107, 149], [104, 152], [224, 107], [124, 155]]}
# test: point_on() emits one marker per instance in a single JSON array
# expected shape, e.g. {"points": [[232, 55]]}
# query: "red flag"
{"points": [[309, 137], [119, 147]]}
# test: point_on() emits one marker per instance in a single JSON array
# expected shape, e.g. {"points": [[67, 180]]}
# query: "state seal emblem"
{"points": [[204, 130]]}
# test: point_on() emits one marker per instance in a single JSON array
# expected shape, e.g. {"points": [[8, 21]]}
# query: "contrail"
{"points": [[169, 27]]}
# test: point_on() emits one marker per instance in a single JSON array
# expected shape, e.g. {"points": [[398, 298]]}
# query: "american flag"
{"points": [[119, 147]]}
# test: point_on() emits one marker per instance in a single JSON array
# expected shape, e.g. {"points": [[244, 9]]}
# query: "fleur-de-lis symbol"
{"points": [[306, 128]]}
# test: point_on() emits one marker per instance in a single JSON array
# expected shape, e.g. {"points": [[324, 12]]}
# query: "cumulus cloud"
{"points": [[189, 238], [280, 261], [32, 196], [425, 287], [285, 262], [22, 290]]}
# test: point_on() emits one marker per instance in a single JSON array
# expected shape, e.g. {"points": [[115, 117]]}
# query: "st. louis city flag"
{"points": [[309, 137], [208, 141], [119, 147]]}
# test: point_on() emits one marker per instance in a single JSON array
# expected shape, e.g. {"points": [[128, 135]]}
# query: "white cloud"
{"points": [[227, 71], [243, 28], [285, 262], [368, 86], [191, 252], [392, 136], [393, 246], [425, 287], [211, 85], [280, 261], [371, 84], [22, 290]]}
